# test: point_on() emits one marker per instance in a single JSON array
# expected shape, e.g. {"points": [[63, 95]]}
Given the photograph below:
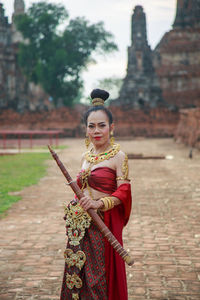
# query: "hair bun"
{"points": [[97, 93]]}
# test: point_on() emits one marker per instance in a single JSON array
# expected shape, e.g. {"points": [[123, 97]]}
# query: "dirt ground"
{"points": [[163, 234]]}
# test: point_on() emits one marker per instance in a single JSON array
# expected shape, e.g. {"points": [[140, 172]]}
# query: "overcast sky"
{"points": [[116, 15]]}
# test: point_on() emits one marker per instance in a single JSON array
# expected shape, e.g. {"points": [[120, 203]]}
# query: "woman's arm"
{"points": [[122, 172]]}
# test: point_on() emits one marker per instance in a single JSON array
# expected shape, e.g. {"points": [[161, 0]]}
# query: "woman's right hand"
{"points": [[87, 203]]}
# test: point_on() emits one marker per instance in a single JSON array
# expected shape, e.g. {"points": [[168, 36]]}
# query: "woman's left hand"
{"points": [[87, 203]]}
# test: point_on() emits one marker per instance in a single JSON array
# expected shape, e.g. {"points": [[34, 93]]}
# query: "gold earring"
{"points": [[87, 142], [112, 139]]}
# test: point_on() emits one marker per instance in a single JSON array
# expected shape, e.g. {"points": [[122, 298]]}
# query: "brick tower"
{"points": [[187, 14], [15, 91], [19, 9], [177, 57], [140, 87]]}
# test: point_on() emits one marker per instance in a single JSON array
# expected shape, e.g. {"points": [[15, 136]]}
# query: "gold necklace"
{"points": [[96, 158]]}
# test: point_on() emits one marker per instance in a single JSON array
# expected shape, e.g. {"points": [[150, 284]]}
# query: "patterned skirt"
{"points": [[87, 282]]}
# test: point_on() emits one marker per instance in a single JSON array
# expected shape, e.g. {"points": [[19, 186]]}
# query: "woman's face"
{"points": [[98, 128]]}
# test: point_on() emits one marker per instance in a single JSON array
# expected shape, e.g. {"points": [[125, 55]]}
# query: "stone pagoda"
{"points": [[15, 91], [177, 57], [141, 86], [187, 14]]}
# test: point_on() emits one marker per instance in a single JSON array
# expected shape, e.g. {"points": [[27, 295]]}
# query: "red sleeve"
{"points": [[115, 219], [123, 193]]}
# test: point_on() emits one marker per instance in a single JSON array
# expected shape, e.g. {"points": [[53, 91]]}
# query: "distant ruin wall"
{"points": [[188, 129], [177, 63], [157, 122], [152, 123]]}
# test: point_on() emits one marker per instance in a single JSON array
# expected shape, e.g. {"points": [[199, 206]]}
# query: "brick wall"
{"points": [[150, 123], [188, 129]]}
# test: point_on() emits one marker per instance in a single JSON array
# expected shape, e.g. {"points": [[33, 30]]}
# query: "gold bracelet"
{"points": [[105, 204], [108, 203]]}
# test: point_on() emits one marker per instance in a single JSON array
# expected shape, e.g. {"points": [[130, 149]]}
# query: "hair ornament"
{"points": [[97, 101]]}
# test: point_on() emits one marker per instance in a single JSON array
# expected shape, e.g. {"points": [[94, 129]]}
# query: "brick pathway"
{"points": [[163, 234]]}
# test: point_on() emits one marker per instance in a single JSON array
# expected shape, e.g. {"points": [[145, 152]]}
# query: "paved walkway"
{"points": [[163, 234]]}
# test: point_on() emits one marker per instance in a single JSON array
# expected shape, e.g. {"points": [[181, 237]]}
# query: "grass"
{"points": [[46, 148], [17, 172], [59, 147]]}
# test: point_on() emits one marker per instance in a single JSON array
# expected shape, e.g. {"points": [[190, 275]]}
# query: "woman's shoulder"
{"points": [[120, 156], [83, 156]]}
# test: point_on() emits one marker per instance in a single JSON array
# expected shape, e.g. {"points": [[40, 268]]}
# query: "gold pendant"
{"points": [[75, 296], [87, 142], [74, 259], [77, 220], [73, 281], [112, 140]]}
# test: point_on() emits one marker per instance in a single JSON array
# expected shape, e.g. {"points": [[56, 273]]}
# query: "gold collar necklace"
{"points": [[96, 158]]}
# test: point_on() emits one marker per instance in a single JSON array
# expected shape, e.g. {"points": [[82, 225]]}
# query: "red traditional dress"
{"points": [[103, 275]]}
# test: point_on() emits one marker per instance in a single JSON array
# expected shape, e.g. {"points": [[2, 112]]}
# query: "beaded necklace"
{"points": [[97, 158], [94, 159]]}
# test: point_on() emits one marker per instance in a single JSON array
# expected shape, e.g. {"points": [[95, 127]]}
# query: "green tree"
{"points": [[55, 58]]}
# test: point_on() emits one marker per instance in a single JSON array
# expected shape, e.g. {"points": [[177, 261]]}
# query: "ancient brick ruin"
{"points": [[171, 73], [153, 123], [177, 57], [158, 83], [188, 129], [140, 87], [15, 91]]}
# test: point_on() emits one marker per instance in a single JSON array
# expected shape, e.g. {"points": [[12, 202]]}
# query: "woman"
{"points": [[93, 269]]}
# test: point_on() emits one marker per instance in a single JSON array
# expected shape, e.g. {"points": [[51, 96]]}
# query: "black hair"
{"points": [[102, 94], [97, 93]]}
